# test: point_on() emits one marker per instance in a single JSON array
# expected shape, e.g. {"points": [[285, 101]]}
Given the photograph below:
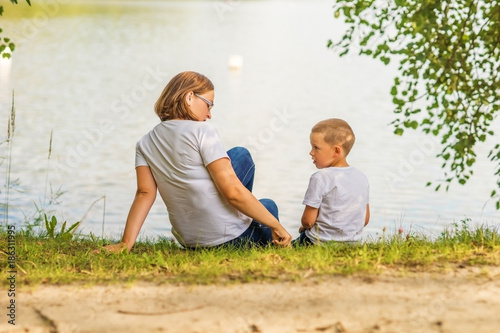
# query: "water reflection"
{"points": [[91, 72]]}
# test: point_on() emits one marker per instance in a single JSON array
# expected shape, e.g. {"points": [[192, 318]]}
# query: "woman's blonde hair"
{"points": [[172, 102], [336, 132]]}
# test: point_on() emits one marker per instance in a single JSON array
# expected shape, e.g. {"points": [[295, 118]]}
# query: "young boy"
{"points": [[336, 200]]}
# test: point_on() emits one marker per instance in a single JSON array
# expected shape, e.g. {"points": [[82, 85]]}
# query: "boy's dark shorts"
{"points": [[302, 240]]}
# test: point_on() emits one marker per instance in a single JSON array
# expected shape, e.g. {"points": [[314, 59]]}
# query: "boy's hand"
{"points": [[113, 248]]}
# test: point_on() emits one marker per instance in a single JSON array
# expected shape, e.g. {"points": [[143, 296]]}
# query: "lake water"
{"points": [[90, 72]]}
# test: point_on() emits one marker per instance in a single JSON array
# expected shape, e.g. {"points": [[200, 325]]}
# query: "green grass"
{"points": [[44, 260]]}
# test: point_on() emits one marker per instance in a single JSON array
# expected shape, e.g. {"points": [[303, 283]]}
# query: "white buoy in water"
{"points": [[235, 62]]}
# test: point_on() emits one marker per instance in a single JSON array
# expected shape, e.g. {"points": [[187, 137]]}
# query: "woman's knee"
{"points": [[240, 153], [271, 206], [243, 165]]}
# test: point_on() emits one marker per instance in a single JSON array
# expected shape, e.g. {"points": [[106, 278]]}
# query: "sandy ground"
{"points": [[462, 301]]}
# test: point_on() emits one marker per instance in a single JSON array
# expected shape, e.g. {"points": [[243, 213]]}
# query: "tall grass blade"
{"points": [[10, 136], [71, 230], [103, 211], [48, 168]]}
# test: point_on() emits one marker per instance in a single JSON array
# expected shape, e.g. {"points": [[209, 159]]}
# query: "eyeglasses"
{"points": [[209, 104]]}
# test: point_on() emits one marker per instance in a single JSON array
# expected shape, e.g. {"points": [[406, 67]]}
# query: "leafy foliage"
{"points": [[63, 233], [449, 70], [6, 45]]}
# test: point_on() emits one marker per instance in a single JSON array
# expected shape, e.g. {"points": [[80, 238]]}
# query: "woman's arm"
{"points": [[243, 200], [144, 199]]}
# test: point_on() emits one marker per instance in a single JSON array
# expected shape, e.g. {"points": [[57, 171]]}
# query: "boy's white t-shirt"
{"points": [[341, 194], [177, 152]]}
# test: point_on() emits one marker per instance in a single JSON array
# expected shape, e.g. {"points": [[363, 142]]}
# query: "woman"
{"points": [[207, 191]]}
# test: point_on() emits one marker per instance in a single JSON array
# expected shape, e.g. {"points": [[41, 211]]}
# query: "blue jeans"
{"points": [[302, 240], [257, 233]]}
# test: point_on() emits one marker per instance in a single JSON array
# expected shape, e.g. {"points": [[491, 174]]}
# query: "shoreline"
{"points": [[462, 300]]}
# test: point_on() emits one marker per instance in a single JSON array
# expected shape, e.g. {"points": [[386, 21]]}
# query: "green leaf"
{"points": [[53, 223], [73, 227], [385, 60], [399, 131], [63, 227]]}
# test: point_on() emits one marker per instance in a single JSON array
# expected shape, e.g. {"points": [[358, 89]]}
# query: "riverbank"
{"points": [[60, 259], [398, 283], [460, 300]]}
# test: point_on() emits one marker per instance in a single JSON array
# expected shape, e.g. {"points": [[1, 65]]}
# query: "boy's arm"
{"points": [[367, 217], [309, 217]]}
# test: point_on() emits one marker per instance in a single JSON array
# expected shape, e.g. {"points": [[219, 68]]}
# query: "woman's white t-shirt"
{"points": [[177, 152]]}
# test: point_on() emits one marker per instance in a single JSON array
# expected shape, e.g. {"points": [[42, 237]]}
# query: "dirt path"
{"points": [[419, 303]]}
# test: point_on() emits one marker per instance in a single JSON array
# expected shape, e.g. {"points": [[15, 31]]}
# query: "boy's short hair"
{"points": [[336, 132]]}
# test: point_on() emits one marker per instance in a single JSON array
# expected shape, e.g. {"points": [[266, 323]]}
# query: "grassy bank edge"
{"points": [[39, 260]]}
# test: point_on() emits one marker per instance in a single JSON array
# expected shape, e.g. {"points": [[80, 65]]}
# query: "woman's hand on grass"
{"points": [[113, 248], [281, 237]]}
